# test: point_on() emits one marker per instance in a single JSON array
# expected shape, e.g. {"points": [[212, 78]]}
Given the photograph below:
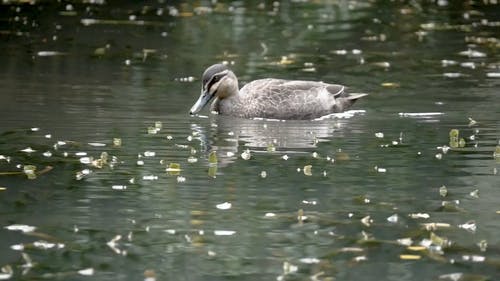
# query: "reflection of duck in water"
{"points": [[270, 98]]}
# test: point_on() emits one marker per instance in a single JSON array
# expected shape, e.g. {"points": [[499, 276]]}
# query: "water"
{"points": [[70, 85]]}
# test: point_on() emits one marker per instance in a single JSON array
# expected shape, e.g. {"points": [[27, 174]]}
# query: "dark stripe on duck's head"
{"points": [[213, 74]]}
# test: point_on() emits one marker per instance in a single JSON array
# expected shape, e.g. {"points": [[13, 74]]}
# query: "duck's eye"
{"points": [[216, 78]]}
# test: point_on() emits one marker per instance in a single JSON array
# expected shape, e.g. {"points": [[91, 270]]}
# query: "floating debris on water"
{"points": [[443, 191], [493, 74], [149, 177], [419, 216], [212, 158], [245, 155], [308, 170], [474, 193], [483, 245], [472, 54], [173, 168], [469, 226], [453, 75], [28, 150], [393, 219], [263, 174], [117, 142], [405, 241], [379, 135], [420, 114], [21, 227], [86, 272], [224, 232], [410, 257], [6, 272], [445, 63], [119, 187], [97, 144], [367, 221], [300, 216], [149, 275], [224, 206]]}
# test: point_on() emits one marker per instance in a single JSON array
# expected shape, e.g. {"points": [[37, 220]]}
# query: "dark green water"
{"points": [[75, 76]]}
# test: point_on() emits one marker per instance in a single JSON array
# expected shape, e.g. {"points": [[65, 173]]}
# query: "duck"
{"points": [[270, 98]]}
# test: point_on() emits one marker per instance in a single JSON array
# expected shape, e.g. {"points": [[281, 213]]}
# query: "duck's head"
{"points": [[217, 81]]}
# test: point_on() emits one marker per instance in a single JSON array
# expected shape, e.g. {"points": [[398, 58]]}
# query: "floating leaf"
{"points": [[29, 171], [410, 257], [438, 240], [212, 157], [212, 171], [117, 142], [271, 148], [483, 245]]}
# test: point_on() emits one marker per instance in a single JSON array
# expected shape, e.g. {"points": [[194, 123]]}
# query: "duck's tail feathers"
{"points": [[354, 96]]}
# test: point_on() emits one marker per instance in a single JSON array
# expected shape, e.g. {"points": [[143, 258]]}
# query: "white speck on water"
{"points": [[468, 64], [270, 215], [150, 177], [419, 216], [379, 135], [86, 160], [474, 193], [393, 219], [192, 159], [28, 150], [309, 260], [224, 206], [469, 226], [21, 227], [472, 54], [493, 74], [445, 63], [405, 241], [439, 156], [17, 247], [230, 154], [47, 154], [119, 187], [86, 272], [97, 144], [127, 62], [149, 153], [224, 232], [452, 74], [140, 163], [263, 174], [181, 179]]}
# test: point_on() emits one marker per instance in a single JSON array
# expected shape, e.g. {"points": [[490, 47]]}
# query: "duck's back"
{"points": [[285, 99]]}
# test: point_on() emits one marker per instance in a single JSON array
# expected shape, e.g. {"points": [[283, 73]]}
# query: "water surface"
{"points": [[375, 194]]}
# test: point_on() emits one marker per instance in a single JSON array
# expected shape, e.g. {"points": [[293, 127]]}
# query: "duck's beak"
{"points": [[205, 97]]}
